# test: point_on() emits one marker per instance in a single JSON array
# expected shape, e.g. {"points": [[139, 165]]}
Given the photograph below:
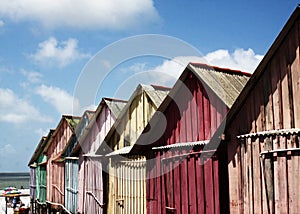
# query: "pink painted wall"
{"points": [[90, 170], [55, 170]]}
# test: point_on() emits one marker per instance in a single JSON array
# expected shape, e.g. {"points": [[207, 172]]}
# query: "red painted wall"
{"points": [[192, 186]]}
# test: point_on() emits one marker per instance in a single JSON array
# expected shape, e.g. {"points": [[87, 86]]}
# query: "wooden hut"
{"points": [[90, 185], [33, 174], [41, 177], [182, 173], [71, 163], [126, 194], [262, 131], [55, 165]]}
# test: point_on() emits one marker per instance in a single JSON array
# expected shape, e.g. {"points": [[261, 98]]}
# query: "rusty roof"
{"points": [[72, 121]]}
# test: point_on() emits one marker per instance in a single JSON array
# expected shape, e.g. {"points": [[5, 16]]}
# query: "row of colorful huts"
{"points": [[218, 141]]}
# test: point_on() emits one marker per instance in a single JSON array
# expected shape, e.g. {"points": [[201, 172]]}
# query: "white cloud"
{"points": [[41, 132], [61, 100], [16, 110], [7, 150], [32, 76], [91, 14], [1, 23], [51, 52], [240, 59], [169, 71]]}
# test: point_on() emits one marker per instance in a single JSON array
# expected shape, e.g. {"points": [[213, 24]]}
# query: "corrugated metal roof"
{"points": [[115, 105], [179, 145], [40, 147], [79, 130], [271, 133], [257, 74], [156, 93], [72, 120], [225, 83], [37, 151], [122, 151]]}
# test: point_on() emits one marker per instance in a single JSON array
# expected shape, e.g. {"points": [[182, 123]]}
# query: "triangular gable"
{"points": [[225, 83], [220, 82], [114, 105], [153, 97], [37, 151], [72, 121], [79, 130]]}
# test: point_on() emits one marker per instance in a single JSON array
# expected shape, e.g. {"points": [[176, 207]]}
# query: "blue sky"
{"points": [[45, 45]]}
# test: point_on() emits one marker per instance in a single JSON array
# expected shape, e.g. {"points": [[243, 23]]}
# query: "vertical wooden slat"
{"points": [[216, 185], [192, 185], [294, 54], [246, 181], [177, 185], [209, 194], [291, 182], [200, 185], [250, 172]]}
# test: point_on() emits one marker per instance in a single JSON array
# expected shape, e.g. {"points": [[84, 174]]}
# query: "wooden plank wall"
{"points": [[87, 170], [43, 185], [133, 123], [71, 185], [55, 170], [93, 186], [32, 183], [192, 186], [130, 185], [273, 104]]}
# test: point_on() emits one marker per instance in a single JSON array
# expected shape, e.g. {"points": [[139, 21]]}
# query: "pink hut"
{"points": [[55, 164], [182, 174], [262, 130], [90, 186]]}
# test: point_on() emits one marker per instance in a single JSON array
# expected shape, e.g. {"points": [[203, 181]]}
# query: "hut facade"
{"points": [[33, 174], [41, 177], [126, 193], [262, 132], [183, 174], [55, 165], [90, 165], [71, 163]]}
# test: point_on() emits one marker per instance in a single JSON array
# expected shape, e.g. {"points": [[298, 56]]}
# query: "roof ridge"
{"points": [[221, 69]]}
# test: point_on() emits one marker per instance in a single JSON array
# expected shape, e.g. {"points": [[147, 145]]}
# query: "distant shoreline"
{"points": [[16, 179]]}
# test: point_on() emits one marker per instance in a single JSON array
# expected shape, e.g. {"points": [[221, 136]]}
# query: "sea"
{"points": [[15, 179], [20, 180]]}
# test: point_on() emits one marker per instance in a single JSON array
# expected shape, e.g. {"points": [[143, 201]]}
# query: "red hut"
{"points": [[183, 176], [55, 164], [262, 131]]}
